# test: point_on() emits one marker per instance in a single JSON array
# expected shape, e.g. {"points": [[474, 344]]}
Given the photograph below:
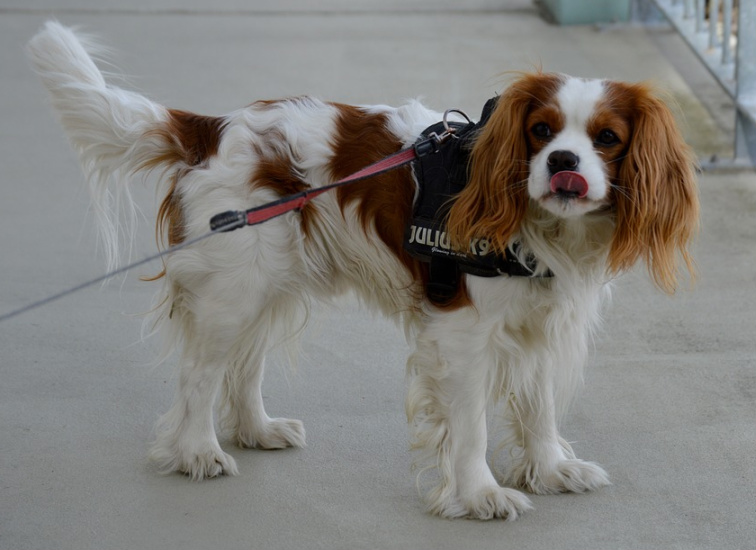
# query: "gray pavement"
{"points": [[669, 405]]}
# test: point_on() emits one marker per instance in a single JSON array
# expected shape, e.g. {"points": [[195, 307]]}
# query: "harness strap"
{"points": [[440, 178]]}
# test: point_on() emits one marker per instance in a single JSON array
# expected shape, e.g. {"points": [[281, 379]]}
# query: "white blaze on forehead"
{"points": [[578, 98]]}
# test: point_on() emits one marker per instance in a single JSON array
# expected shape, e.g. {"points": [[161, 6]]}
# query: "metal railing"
{"points": [[722, 33]]}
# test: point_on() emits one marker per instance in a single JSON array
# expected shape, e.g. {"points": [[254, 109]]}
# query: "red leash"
{"points": [[234, 219]]}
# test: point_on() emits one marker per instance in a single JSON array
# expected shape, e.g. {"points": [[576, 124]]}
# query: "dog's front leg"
{"points": [[446, 403], [548, 464]]}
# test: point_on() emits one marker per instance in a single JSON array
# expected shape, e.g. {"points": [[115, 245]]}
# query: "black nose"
{"points": [[559, 161]]}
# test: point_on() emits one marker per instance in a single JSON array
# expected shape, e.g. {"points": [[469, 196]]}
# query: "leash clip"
{"points": [[228, 221]]}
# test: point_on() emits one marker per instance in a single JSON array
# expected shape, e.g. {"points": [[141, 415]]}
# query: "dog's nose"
{"points": [[559, 161]]}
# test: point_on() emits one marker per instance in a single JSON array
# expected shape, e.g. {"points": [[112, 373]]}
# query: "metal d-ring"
{"points": [[448, 129]]}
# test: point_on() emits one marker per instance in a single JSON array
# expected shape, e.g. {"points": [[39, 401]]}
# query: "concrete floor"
{"points": [[669, 404]]}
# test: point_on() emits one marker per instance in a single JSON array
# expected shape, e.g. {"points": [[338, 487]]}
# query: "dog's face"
{"points": [[575, 147], [576, 143]]}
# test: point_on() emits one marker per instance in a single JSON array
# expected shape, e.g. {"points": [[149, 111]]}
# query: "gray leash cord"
{"points": [[106, 276]]}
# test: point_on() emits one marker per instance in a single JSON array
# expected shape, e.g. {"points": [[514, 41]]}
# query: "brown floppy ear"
{"points": [[495, 200], [655, 194]]}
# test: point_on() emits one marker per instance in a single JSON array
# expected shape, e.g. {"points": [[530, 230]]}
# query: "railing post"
{"points": [[713, 23], [727, 33], [700, 19]]}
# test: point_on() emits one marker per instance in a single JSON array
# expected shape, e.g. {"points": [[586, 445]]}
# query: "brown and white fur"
{"points": [[519, 341]]}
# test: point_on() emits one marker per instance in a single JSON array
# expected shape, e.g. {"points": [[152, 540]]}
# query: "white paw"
{"points": [[498, 502], [487, 503], [202, 462], [572, 475], [276, 433]]}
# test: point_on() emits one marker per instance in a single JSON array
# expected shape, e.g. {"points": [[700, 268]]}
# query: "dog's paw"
{"points": [[200, 463], [568, 476], [486, 503], [276, 433], [498, 502], [209, 464]]}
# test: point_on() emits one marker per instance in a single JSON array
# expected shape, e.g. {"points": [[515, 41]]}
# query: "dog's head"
{"points": [[575, 147]]}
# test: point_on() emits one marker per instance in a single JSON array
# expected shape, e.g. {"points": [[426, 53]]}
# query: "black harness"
{"points": [[441, 175]]}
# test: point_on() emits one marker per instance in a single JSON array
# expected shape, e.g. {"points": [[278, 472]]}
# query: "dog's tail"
{"points": [[114, 131]]}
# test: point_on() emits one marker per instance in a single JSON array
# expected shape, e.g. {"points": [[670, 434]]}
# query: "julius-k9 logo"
{"points": [[438, 239]]}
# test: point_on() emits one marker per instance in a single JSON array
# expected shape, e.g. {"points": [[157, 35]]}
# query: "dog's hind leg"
{"points": [[225, 338], [186, 439], [245, 415]]}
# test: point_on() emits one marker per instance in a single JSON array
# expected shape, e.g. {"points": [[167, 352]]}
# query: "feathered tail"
{"points": [[114, 131]]}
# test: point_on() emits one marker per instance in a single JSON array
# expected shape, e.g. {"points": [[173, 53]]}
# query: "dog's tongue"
{"points": [[567, 182]]}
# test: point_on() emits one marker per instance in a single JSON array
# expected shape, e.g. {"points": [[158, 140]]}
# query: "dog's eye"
{"points": [[607, 138], [541, 130]]}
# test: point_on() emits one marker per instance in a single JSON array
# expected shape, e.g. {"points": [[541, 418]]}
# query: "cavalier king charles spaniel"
{"points": [[586, 177]]}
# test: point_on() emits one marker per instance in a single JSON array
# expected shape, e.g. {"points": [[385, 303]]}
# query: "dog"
{"points": [[579, 179]]}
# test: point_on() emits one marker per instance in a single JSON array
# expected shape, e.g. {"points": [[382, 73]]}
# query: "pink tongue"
{"points": [[569, 182]]}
